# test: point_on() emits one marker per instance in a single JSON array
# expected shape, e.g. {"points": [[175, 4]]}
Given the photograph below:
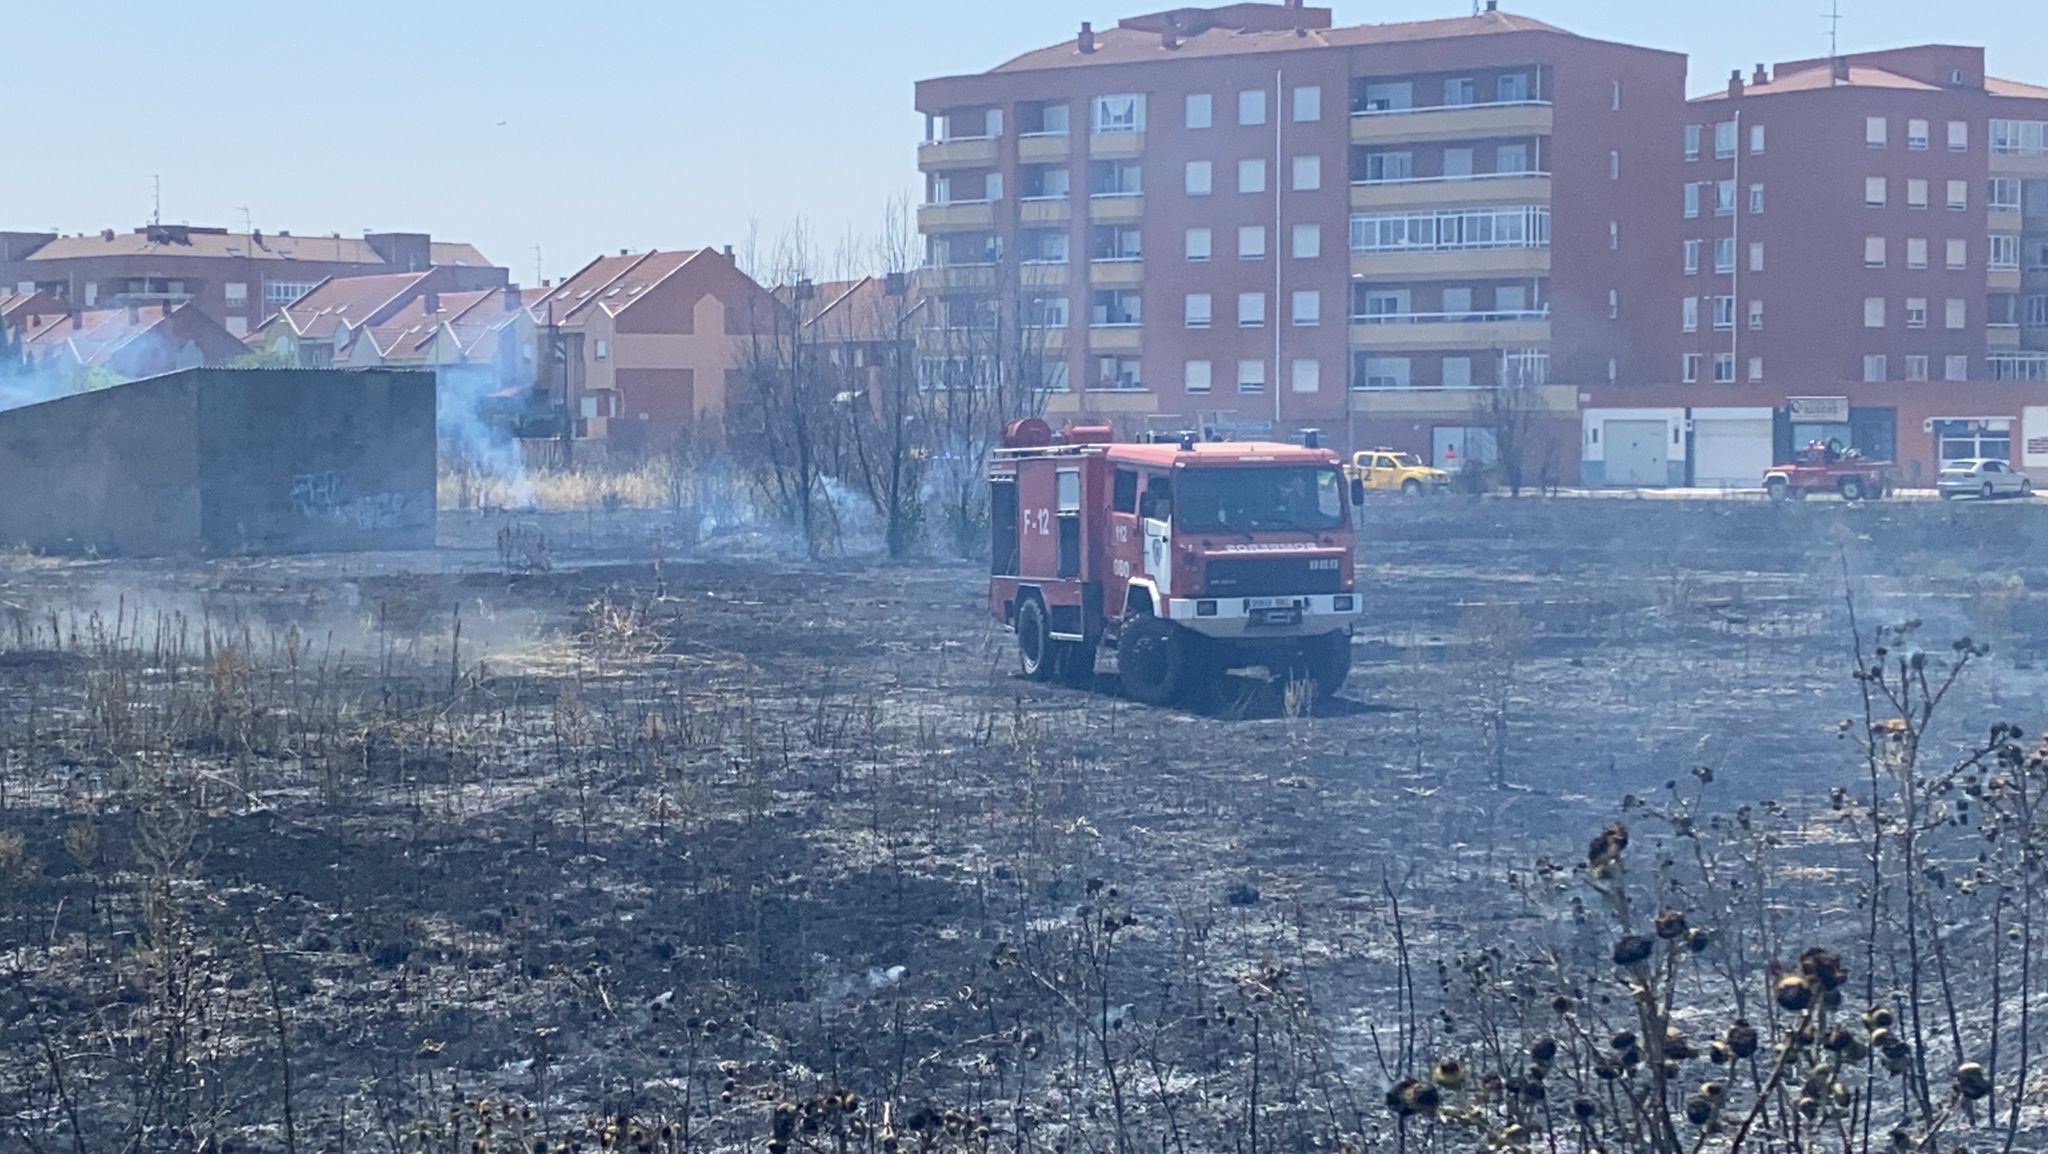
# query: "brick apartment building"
{"points": [[239, 279], [1248, 212], [1864, 258]]}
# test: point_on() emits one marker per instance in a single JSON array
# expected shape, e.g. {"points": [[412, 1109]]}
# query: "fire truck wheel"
{"points": [[1035, 647], [1326, 660], [1076, 663], [1151, 660]]}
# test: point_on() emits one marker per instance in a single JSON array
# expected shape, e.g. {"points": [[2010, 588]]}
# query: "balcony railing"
{"points": [[1449, 177], [964, 139], [2018, 366], [1412, 109], [1450, 318]]}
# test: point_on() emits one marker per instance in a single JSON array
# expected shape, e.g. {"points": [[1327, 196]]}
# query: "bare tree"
{"points": [[1509, 412], [787, 425]]}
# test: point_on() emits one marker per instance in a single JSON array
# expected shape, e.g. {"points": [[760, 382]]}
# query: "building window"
{"points": [[1456, 373], [1958, 195], [1756, 200], [1372, 372], [1199, 310], [1251, 107], [1724, 254], [1251, 376], [1308, 375], [2019, 137], [1724, 314], [1873, 252], [2004, 253], [1916, 193], [1446, 230], [2037, 311], [238, 294], [1116, 178], [1513, 88], [1724, 198], [1613, 370], [1251, 310], [1251, 175], [278, 293], [1873, 312], [1958, 252], [1119, 374], [1116, 308], [1308, 173], [1756, 369], [1195, 376], [1874, 131], [1958, 313], [1308, 241], [1614, 234], [1614, 100], [1873, 191], [1613, 304], [1388, 96], [1916, 366], [1724, 140], [2004, 194], [1198, 244], [1959, 136], [1756, 256], [604, 349], [1251, 242], [1916, 312], [1756, 140], [1614, 165], [1201, 110], [1458, 92], [1756, 315], [1200, 178], [1041, 311], [1689, 314], [1692, 257], [1121, 113], [1383, 166], [1308, 308], [1692, 201], [1916, 136], [1692, 142], [1689, 368], [1956, 367], [1873, 368], [1511, 158], [1308, 105]]}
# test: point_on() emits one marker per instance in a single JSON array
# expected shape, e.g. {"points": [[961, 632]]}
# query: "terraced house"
{"points": [[1245, 214]]}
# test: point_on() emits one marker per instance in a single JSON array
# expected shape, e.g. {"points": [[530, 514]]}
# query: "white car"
{"points": [[1983, 479]]}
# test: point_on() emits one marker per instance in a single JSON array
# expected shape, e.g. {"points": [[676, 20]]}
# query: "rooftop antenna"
{"points": [[156, 214], [536, 265], [248, 220], [1834, 19]]}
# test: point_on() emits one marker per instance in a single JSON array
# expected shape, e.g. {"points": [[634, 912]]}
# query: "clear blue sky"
{"points": [[582, 128]]}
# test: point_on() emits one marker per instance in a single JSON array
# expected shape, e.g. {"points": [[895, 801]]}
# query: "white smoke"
{"points": [[475, 426]]}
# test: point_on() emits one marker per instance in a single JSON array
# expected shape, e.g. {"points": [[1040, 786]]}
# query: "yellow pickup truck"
{"points": [[1388, 471]]}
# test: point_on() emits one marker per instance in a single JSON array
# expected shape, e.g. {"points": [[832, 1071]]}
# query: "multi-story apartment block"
{"points": [[1864, 258], [238, 279], [1246, 211]]}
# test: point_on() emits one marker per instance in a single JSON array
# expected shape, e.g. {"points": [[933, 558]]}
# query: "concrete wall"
{"points": [[225, 461]]}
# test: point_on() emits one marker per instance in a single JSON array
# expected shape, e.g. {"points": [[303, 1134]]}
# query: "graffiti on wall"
{"points": [[323, 496]]}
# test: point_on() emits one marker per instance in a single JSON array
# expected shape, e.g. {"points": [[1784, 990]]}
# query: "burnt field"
{"points": [[647, 849]]}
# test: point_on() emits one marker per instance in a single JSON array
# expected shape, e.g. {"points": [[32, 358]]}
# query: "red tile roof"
{"points": [[1998, 87], [1127, 45], [98, 335], [352, 300], [1813, 79], [610, 283], [221, 244]]}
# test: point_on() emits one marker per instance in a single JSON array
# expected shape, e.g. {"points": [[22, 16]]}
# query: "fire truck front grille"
{"points": [[1272, 576]]}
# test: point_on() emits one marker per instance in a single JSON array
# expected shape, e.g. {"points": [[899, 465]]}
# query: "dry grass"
{"points": [[645, 485]]}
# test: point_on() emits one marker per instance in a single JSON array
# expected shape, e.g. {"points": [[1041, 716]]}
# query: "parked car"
{"points": [[1387, 471], [1829, 468], [1983, 479]]}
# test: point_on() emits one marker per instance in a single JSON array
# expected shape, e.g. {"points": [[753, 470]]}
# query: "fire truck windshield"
{"points": [[1251, 499]]}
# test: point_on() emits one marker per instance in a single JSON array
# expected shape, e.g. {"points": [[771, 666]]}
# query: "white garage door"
{"points": [[1636, 454], [1731, 454]]}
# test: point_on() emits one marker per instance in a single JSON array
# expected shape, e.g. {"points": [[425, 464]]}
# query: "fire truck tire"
{"points": [[1074, 663], [1852, 489], [1777, 488], [1326, 660], [1152, 660], [1036, 650]]}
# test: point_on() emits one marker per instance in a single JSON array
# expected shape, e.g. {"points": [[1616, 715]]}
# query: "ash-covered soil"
{"points": [[676, 836]]}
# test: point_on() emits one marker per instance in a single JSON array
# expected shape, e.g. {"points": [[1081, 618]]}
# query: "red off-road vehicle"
{"points": [[1830, 468]]}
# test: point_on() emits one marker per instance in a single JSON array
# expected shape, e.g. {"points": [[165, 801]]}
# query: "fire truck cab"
{"points": [[1188, 558]]}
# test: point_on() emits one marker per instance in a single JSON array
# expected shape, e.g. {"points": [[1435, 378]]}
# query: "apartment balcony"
{"points": [[1044, 274], [2019, 164], [2017, 366], [2002, 280], [1404, 331], [1451, 264], [1457, 122], [957, 216], [1451, 191], [1120, 399], [1040, 147], [2004, 221], [960, 152], [1116, 207], [1115, 338], [1115, 145], [1050, 340], [1044, 210], [2002, 337], [1116, 273], [957, 276], [1426, 401]]}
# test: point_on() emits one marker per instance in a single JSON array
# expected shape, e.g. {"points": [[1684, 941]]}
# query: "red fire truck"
{"points": [[1187, 557]]}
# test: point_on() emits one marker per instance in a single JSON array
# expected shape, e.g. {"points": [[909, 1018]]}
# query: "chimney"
{"points": [[1169, 37], [622, 252], [1761, 78], [77, 321], [134, 314], [431, 302], [1493, 5], [167, 309], [728, 252], [1086, 41], [1735, 83], [1841, 69], [106, 234], [512, 297]]}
